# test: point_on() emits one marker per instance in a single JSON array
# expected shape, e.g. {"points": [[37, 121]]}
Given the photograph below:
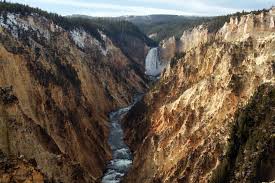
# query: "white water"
{"points": [[153, 66], [122, 157]]}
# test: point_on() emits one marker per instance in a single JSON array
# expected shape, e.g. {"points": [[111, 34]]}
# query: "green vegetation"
{"points": [[7, 96], [172, 25], [236, 84], [251, 133], [63, 74], [217, 22], [114, 28], [166, 26], [117, 28], [65, 23], [175, 59]]}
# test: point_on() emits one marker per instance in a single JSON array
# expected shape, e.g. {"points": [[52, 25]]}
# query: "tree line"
{"points": [[114, 28]]}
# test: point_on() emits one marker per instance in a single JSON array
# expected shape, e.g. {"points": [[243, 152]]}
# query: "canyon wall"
{"points": [[56, 90], [183, 129], [189, 39]]}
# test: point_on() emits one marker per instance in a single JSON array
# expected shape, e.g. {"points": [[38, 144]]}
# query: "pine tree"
{"points": [[5, 17]]}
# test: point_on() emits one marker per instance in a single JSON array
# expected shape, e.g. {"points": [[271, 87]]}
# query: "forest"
{"points": [[114, 28], [165, 26]]}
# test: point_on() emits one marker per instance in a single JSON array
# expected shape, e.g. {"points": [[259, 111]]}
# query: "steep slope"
{"points": [[180, 131], [124, 35], [58, 82], [250, 154]]}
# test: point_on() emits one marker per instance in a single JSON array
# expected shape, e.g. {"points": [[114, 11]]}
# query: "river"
{"points": [[122, 156]]}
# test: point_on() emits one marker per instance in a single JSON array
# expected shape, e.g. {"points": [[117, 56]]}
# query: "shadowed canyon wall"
{"points": [[56, 90]]}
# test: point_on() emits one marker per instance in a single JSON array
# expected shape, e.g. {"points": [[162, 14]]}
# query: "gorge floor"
{"points": [[122, 156]]}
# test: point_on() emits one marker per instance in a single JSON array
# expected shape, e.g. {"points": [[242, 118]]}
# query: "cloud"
{"points": [[200, 7], [108, 9], [114, 10]]}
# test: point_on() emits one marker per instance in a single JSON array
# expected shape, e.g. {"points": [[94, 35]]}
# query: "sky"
{"points": [[112, 8]]}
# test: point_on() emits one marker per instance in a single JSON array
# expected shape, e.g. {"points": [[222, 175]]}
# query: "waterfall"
{"points": [[153, 66]]}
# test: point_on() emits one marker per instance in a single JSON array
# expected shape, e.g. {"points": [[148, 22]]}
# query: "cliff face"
{"points": [[19, 169], [56, 89], [180, 131], [257, 25], [189, 39], [250, 152]]}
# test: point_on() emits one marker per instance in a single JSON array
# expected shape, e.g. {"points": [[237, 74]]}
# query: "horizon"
{"points": [[117, 8]]}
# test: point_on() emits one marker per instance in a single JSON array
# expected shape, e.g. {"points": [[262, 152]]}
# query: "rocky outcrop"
{"points": [[189, 39], [168, 48], [56, 89], [180, 131], [259, 26], [19, 170]]}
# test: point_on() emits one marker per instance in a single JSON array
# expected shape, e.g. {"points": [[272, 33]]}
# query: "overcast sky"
{"points": [[147, 7]]}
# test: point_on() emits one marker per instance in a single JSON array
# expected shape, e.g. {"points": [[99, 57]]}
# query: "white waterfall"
{"points": [[153, 66]]}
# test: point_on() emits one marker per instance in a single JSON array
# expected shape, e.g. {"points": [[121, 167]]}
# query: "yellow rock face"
{"points": [[189, 39], [191, 109]]}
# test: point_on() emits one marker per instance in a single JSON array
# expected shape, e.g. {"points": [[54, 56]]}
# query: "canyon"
{"points": [[57, 87], [82, 103]]}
